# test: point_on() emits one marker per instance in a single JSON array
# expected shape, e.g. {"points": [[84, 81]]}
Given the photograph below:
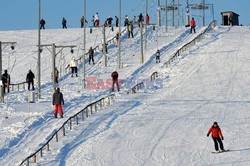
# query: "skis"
{"points": [[220, 151]]}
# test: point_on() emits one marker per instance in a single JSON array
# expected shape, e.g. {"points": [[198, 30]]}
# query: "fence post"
{"points": [[87, 113], [83, 115], [34, 158], [95, 107], [91, 109], [27, 162], [41, 153], [56, 137], [77, 120], [64, 131], [70, 123], [47, 146]]}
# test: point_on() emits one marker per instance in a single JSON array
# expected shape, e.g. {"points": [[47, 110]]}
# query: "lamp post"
{"points": [[39, 53], [119, 39], [84, 46]]}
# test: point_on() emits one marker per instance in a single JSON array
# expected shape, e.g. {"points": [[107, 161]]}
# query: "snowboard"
{"points": [[221, 151]]}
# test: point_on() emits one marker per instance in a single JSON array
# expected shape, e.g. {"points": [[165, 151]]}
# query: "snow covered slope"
{"points": [[168, 126], [22, 130]]}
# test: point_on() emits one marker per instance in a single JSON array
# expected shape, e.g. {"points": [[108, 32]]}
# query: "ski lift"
{"points": [[41, 50]]}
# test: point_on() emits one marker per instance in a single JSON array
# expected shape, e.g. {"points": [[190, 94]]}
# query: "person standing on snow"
{"points": [[130, 30], [217, 136], [110, 19], [114, 76], [30, 79], [64, 23], [96, 19], [158, 56], [126, 20], [116, 21], [6, 81], [58, 101], [140, 19], [42, 24], [83, 21], [192, 24], [73, 66], [147, 18], [91, 55]]}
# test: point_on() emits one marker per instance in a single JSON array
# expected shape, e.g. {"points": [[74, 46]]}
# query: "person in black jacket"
{"points": [[6, 81], [42, 24], [91, 55], [110, 19], [64, 23], [58, 101], [116, 21], [30, 79]]}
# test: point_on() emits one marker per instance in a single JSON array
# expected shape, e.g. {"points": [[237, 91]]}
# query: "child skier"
{"points": [[217, 136]]}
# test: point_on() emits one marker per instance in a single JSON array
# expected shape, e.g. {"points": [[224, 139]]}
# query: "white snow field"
{"points": [[165, 124]]}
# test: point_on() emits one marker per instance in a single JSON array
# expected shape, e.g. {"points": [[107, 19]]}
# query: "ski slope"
{"points": [[158, 126], [22, 130], [168, 126]]}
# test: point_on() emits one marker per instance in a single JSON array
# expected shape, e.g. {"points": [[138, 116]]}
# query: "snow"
{"points": [[158, 126]]}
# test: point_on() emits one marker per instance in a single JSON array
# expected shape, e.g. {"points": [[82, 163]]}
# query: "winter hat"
{"points": [[215, 123]]}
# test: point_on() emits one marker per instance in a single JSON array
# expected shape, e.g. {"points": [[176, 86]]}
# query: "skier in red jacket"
{"points": [[114, 76], [217, 136], [192, 24]]}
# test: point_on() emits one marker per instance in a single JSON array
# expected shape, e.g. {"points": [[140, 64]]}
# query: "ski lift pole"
{"points": [[104, 47], [145, 38], [84, 47]]}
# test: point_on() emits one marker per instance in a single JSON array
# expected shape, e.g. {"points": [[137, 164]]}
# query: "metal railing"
{"points": [[154, 76], [190, 44], [83, 114], [18, 85]]}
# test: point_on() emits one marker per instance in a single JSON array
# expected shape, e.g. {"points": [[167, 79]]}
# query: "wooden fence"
{"points": [[81, 115]]}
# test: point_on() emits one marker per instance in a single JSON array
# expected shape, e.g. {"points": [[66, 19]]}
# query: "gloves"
{"points": [[222, 138], [207, 135]]}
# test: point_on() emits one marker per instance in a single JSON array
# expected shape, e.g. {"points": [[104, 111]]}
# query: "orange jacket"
{"points": [[216, 132], [192, 23]]}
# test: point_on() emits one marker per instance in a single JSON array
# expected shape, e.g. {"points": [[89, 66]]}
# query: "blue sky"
{"points": [[23, 14]]}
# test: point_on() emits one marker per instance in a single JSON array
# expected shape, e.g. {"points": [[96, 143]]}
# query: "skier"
{"points": [[58, 102], [126, 20], [116, 40], [82, 21], [30, 79], [130, 30], [158, 56], [6, 81], [110, 19], [96, 20], [116, 21], [42, 24], [56, 75], [140, 19], [217, 136], [192, 24], [91, 55], [114, 76], [147, 18], [64, 23], [73, 66]]}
